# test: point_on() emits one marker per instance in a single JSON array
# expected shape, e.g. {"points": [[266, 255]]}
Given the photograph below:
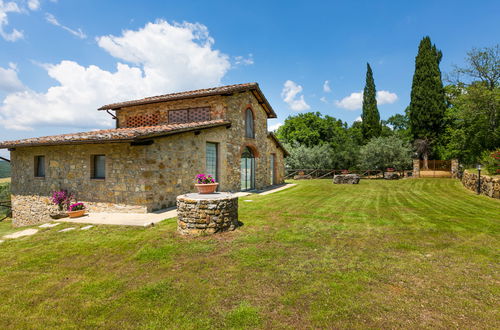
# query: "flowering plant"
{"points": [[345, 171], [491, 161], [204, 179], [61, 198], [77, 207]]}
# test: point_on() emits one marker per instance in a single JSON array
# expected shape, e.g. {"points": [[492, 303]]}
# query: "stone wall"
{"points": [[490, 186], [69, 168]]}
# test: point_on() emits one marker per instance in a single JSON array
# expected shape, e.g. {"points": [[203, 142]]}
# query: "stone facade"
{"points": [[144, 178], [209, 214], [490, 186]]}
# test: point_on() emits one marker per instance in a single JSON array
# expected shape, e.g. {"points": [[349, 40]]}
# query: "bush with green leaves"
{"points": [[491, 161], [316, 157], [385, 152]]}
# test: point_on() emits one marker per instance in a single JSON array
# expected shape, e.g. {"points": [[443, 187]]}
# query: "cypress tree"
{"points": [[371, 126], [428, 103]]}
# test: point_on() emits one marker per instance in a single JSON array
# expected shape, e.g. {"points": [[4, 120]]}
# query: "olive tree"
{"points": [[383, 152]]}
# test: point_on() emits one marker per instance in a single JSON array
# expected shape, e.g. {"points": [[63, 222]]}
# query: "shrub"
{"points": [[385, 152], [491, 161], [62, 199]]}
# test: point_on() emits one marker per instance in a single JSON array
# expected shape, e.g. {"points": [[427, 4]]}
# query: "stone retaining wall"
{"points": [[490, 186], [208, 215]]}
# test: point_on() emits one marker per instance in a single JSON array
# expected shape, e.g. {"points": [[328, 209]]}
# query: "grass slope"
{"points": [[381, 254], [4, 169]]}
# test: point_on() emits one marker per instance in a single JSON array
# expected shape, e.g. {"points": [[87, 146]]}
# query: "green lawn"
{"points": [[382, 254]]}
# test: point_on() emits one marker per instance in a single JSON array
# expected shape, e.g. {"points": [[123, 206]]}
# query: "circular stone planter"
{"points": [[199, 214]]}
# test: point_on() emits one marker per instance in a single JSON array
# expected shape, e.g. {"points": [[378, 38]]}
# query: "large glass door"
{"points": [[247, 170]]}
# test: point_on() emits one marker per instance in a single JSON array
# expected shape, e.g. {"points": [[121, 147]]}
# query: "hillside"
{"points": [[4, 169]]}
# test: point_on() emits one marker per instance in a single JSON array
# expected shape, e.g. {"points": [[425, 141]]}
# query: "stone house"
{"points": [[158, 146]]}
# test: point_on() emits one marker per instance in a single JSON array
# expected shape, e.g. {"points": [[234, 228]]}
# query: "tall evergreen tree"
{"points": [[428, 102], [371, 126]]}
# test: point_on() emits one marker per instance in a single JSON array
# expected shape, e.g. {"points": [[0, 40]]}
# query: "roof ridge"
{"points": [[181, 95]]}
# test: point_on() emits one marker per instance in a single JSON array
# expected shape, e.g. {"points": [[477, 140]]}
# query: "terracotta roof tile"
{"points": [[114, 135], [254, 87]]}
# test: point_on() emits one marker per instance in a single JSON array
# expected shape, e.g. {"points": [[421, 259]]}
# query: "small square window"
{"points": [[40, 166], [98, 167]]}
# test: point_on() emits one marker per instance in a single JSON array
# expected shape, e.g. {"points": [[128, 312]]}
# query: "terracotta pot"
{"points": [[207, 188], [76, 214]]}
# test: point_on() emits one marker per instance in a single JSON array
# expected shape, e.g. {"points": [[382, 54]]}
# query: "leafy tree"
{"points": [[427, 105], [472, 120], [383, 152], [482, 65], [315, 157], [400, 126], [310, 129], [370, 115]]}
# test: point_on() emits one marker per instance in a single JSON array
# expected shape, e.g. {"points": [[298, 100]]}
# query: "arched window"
{"points": [[249, 129], [247, 170]]}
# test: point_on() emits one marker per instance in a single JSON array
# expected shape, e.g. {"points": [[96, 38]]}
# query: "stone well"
{"points": [[199, 214]]}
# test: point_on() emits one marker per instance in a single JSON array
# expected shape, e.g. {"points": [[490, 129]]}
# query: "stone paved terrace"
{"points": [[124, 219]]}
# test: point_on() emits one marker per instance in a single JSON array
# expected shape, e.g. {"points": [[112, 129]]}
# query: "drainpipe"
{"points": [[114, 117]]}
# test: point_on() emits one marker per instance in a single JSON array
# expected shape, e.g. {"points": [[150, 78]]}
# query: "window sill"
{"points": [[39, 178], [98, 179]]}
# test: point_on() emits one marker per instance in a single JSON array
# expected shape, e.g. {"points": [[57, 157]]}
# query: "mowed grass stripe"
{"points": [[381, 254]]}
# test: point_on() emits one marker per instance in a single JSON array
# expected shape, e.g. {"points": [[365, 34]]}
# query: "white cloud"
{"points": [[351, 102], [358, 119], [290, 94], [52, 20], [274, 127], [165, 58], [326, 87], [355, 100], [5, 9], [323, 99], [9, 81], [386, 97], [34, 4], [241, 60]]}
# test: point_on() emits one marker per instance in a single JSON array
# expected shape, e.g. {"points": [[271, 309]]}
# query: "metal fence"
{"points": [[329, 173]]}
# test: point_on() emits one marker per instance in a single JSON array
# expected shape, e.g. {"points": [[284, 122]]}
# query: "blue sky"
{"points": [[60, 60]]}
